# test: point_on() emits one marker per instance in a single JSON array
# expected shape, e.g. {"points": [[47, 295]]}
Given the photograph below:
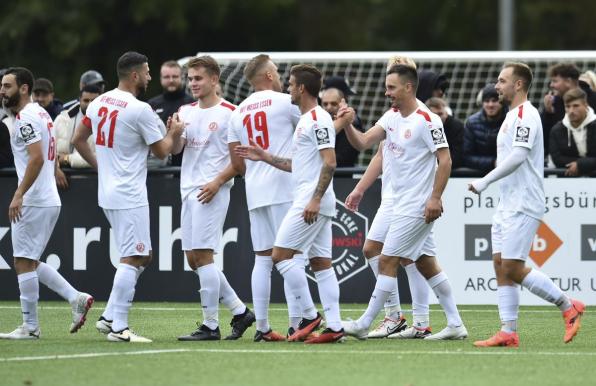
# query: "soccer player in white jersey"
{"points": [[394, 325], [307, 225], [125, 129], [205, 183], [35, 206], [268, 118], [520, 167], [415, 141]]}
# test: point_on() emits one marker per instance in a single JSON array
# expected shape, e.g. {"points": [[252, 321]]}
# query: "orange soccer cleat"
{"points": [[572, 319], [327, 336], [500, 339], [305, 328], [270, 336]]}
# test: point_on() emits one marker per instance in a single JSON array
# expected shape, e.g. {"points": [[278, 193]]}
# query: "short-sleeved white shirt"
{"points": [[33, 124], [123, 128], [206, 151], [313, 133], [411, 143], [523, 190], [268, 118]]}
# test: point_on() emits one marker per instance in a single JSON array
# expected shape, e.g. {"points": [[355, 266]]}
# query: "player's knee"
{"points": [[320, 263], [405, 262], [388, 265], [371, 249], [24, 265]]}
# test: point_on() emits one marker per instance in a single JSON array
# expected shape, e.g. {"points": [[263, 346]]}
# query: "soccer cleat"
{"points": [[202, 333], [240, 323], [572, 319], [291, 331], [500, 339], [327, 336], [449, 333], [387, 327], [305, 328], [80, 307], [103, 325], [351, 328], [411, 333], [270, 336], [127, 336], [22, 333]]}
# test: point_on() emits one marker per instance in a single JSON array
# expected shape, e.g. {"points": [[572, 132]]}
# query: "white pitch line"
{"points": [[252, 351]]}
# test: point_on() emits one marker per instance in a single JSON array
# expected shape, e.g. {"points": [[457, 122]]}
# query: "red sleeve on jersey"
{"points": [[314, 114], [86, 121], [424, 114], [228, 105], [520, 111]]}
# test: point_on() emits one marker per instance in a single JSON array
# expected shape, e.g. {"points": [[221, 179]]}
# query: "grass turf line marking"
{"points": [[251, 351]]}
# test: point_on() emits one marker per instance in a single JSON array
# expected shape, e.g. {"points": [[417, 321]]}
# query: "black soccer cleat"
{"points": [[202, 333], [291, 331], [240, 323]]}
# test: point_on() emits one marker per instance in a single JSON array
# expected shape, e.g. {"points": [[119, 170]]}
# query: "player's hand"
{"points": [[572, 170], [345, 116], [14, 210], [175, 125], [353, 200], [549, 100], [433, 210], [477, 186], [208, 191], [61, 180], [311, 211], [252, 151]]}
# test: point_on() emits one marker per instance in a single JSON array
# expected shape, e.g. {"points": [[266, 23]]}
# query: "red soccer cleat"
{"points": [[572, 319], [500, 339], [327, 336], [305, 328]]}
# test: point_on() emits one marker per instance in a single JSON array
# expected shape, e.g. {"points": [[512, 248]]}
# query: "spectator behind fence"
{"points": [[336, 89], [88, 78], [6, 158], [481, 130], [43, 94], [563, 77], [454, 129], [590, 78], [573, 140], [172, 98], [431, 84]]}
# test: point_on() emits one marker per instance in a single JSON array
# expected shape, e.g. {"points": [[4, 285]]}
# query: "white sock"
{"points": [[383, 288], [228, 297], [373, 263], [298, 285], [329, 294], [542, 286], [420, 291], [123, 291], [392, 305], [54, 281], [260, 283], [294, 307], [508, 303], [440, 285], [209, 281], [29, 288]]}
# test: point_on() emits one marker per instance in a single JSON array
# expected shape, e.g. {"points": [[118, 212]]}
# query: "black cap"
{"points": [[489, 92], [339, 83], [43, 85], [91, 77]]}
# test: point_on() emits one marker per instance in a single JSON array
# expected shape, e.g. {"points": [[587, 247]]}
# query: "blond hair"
{"points": [[399, 59]]}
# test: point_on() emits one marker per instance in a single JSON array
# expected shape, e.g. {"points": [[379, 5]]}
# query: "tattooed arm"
{"points": [[254, 152], [311, 211]]}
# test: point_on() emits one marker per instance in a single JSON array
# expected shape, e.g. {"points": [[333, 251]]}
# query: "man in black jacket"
{"points": [[454, 130], [573, 140], [172, 98]]}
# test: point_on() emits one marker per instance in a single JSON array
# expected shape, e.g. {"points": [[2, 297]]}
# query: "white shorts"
{"points": [[380, 225], [264, 224], [131, 230], [31, 233], [512, 234], [313, 240], [202, 224], [409, 237]]}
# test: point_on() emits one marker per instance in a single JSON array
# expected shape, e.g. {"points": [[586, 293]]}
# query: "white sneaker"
{"points": [[387, 327], [80, 307], [127, 336], [411, 333], [450, 333], [103, 325], [352, 328], [22, 333]]}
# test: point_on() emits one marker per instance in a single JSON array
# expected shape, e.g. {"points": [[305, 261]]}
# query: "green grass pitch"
{"points": [[86, 358]]}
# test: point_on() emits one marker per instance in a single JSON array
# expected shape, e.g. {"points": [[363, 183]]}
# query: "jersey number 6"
{"points": [[260, 125]]}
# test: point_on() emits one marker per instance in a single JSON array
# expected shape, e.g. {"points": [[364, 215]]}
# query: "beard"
{"points": [[11, 101], [141, 89]]}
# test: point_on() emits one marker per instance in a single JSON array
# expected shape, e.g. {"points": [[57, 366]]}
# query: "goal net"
{"points": [[468, 73]]}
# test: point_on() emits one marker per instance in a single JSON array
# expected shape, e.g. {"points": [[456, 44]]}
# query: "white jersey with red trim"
{"points": [[123, 128], [206, 151], [268, 118], [314, 132], [33, 124], [411, 143], [523, 190]]}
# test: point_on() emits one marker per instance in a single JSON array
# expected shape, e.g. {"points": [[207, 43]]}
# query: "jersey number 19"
{"points": [[259, 123]]}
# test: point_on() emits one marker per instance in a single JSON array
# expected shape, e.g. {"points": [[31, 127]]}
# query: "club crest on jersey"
{"points": [[213, 126], [27, 132], [140, 247], [322, 135], [438, 136], [522, 134], [408, 134], [349, 233]]}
